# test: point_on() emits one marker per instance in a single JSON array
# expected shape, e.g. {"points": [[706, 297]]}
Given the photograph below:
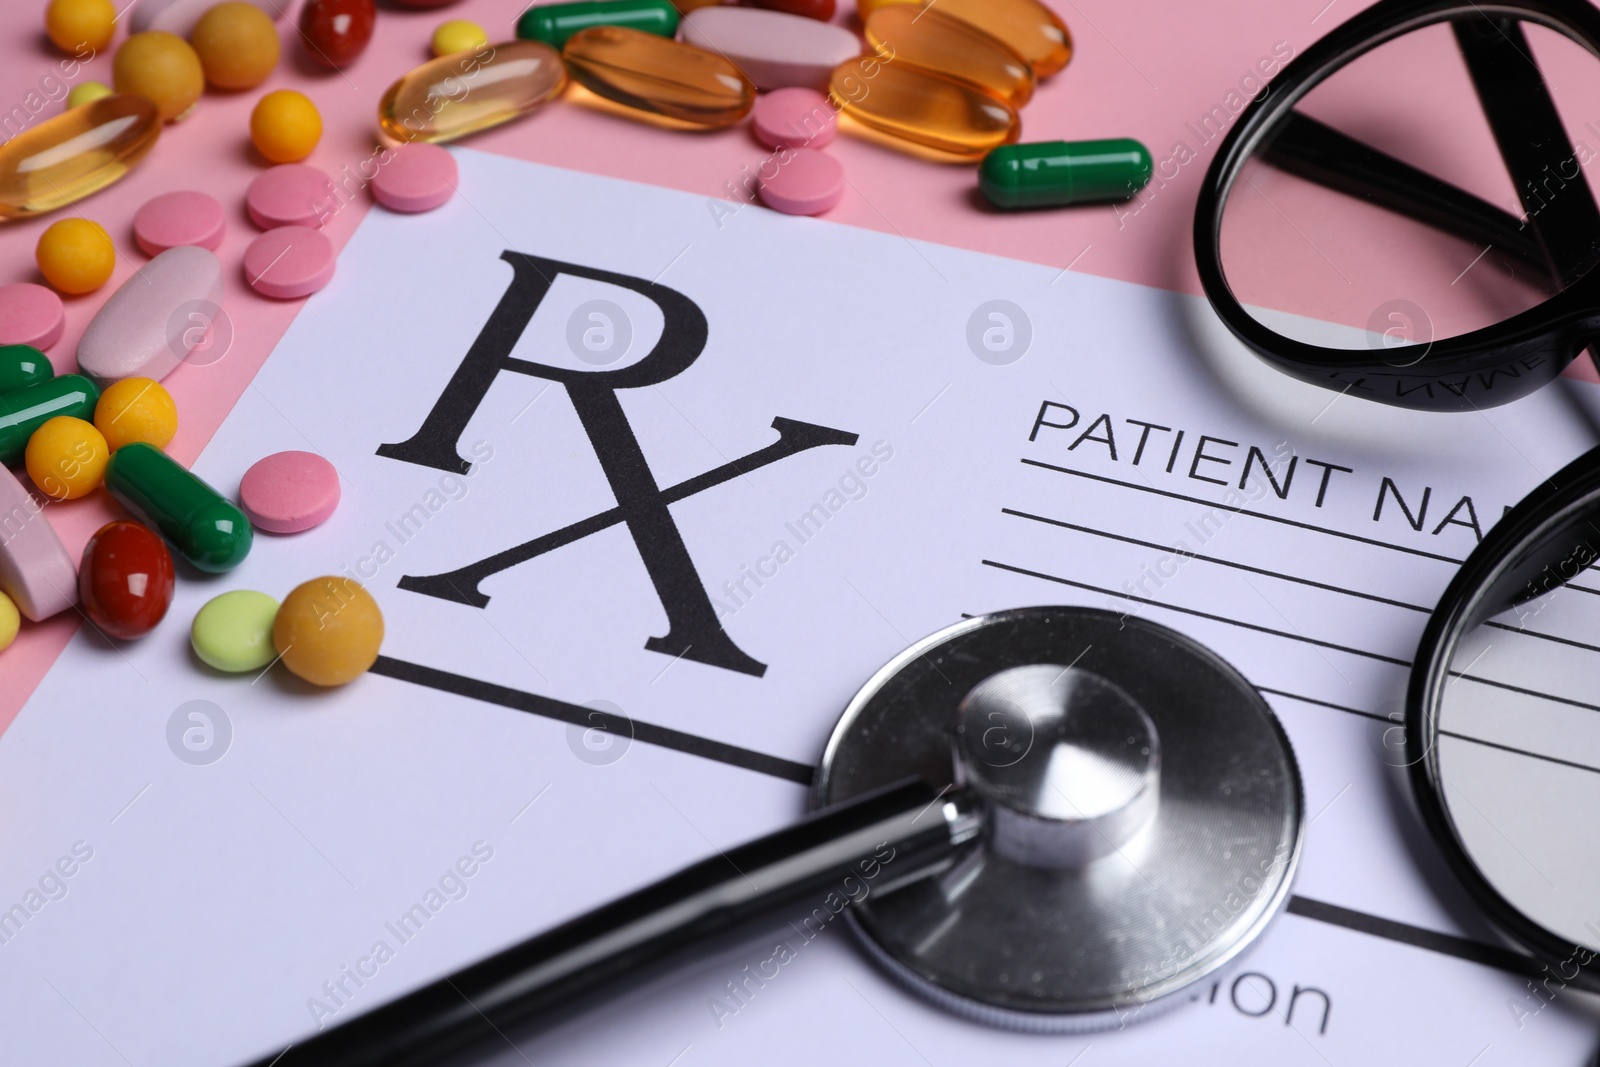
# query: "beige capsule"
{"points": [[659, 76], [465, 92], [79, 152], [922, 37]]}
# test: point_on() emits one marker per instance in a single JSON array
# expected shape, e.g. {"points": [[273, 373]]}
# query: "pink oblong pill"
{"points": [[179, 16], [289, 262], [147, 327], [175, 219], [35, 570], [810, 183], [774, 49], [292, 194], [288, 492], [795, 117], [418, 177], [30, 315]]}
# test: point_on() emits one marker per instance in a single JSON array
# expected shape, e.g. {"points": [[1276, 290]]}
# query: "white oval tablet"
{"points": [[154, 318], [179, 16], [35, 570], [775, 50]]}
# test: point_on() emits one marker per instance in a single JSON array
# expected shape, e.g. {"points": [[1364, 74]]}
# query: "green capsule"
{"points": [[197, 521], [29, 408], [554, 23], [22, 366], [1057, 173]]}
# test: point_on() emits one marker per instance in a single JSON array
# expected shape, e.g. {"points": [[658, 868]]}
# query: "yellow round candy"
{"points": [[10, 622], [458, 35], [86, 93], [80, 27], [285, 126], [66, 458], [136, 409], [237, 44], [75, 255], [328, 630], [162, 68]]}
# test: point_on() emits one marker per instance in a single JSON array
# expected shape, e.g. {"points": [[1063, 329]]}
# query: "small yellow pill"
{"points": [[87, 93], [458, 35], [75, 255], [10, 622], [237, 44], [285, 126], [66, 458], [328, 631], [80, 27], [162, 68], [136, 409]]}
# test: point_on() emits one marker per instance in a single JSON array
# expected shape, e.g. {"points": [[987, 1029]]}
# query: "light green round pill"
{"points": [[233, 632]]}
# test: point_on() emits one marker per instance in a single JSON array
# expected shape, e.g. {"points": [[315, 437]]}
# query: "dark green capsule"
{"points": [[22, 366], [199, 523], [554, 23], [29, 408], [1057, 173]]}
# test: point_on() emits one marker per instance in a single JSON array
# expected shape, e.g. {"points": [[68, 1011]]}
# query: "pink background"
{"points": [[1138, 71]]}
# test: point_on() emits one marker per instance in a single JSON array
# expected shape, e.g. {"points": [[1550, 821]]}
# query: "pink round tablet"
{"points": [[175, 219], [418, 177], [810, 183], [30, 315], [794, 117], [289, 491], [293, 194], [289, 262]]}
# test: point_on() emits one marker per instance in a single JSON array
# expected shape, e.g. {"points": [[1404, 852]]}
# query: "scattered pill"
{"points": [[74, 25], [772, 48], [657, 76], [24, 411], [1057, 173], [78, 152], [335, 32], [808, 182], [237, 44], [10, 622], [175, 219], [328, 631], [923, 108], [136, 409], [554, 24], [453, 96], [285, 126], [196, 521], [291, 194], [289, 492], [812, 9], [162, 68], [125, 580], [36, 572], [30, 315], [289, 262], [418, 177], [180, 16], [87, 92], [794, 118], [1027, 27], [22, 366], [233, 631], [145, 329], [66, 458], [75, 255], [923, 37], [458, 35]]}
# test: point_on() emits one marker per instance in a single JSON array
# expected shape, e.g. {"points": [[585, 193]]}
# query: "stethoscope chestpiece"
{"points": [[1142, 815]]}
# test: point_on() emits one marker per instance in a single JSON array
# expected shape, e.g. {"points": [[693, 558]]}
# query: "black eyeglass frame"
{"points": [[1482, 368]]}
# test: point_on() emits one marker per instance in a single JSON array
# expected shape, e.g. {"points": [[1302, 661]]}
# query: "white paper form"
{"points": [[875, 438]]}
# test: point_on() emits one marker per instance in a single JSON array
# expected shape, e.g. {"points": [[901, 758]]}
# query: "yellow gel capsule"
{"points": [[1027, 27], [922, 107], [925, 38], [86, 93], [80, 151], [66, 458], [458, 94], [662, 77]]}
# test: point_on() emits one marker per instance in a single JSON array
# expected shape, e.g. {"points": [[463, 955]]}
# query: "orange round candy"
{"points": [[328, 631], [162, 68], [237, 44]]}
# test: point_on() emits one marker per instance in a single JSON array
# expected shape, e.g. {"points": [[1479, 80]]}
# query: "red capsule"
{"points": [[335, 32], [811, 9], [125, 582]]}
